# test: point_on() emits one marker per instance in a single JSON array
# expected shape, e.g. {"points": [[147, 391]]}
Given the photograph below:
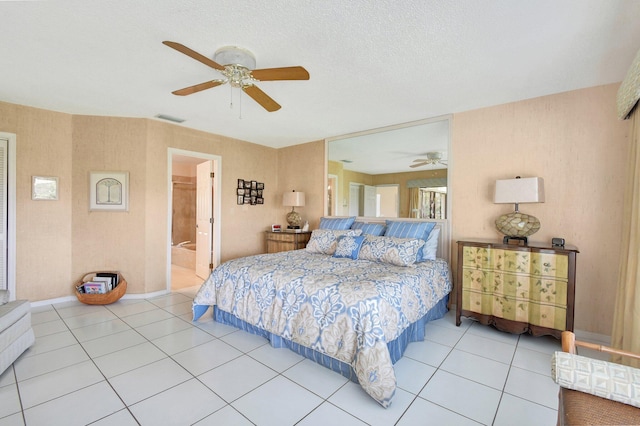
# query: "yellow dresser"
{"points": [[517, 289]]}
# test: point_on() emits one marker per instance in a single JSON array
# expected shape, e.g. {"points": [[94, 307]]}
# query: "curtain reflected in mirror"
{"points": [[397, 171], [428, 203]]}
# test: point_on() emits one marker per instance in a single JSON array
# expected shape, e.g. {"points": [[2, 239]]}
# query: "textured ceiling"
{"points": [[372, 63]]}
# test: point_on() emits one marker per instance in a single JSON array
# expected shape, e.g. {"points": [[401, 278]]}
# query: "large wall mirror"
{"points": [[396, 171]]}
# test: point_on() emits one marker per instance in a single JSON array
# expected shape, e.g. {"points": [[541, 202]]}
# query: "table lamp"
{"points": [[293, 199], [517, 225]]}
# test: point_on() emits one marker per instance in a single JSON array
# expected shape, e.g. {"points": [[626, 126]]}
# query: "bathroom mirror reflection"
{"points": [[396, 171]]}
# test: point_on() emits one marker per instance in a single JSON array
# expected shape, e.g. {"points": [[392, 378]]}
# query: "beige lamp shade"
{"points": [[519, 190], [515, 191], [293, 199]]}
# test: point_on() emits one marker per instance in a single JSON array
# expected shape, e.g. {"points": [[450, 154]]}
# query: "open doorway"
{"points": [[194, 205]]}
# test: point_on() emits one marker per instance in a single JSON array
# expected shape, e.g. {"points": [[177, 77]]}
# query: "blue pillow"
{"points": [[419, 230], [337, 223], [348, 246], [375, 229], [430, 248]]}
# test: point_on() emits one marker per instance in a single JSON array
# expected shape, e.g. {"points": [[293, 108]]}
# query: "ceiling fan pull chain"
{"points": [[240, 101], [231, 96]]}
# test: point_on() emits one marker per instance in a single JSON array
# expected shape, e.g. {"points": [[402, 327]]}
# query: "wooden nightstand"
{"points": [[285, 241]]}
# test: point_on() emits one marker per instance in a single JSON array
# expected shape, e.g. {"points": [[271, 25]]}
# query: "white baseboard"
{"points": [[53, 301], [72, 298]]}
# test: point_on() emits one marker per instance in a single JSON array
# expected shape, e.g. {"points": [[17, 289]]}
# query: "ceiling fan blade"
{"points": [[198, 87], [193, 54], [420, 160], [262, 98], [424, 163], [286, 73]]}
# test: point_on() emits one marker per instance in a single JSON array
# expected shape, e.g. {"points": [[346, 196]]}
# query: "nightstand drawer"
{"points": [[285, 241]]}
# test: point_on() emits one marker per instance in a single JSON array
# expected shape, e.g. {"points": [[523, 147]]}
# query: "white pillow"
{"points": [[601, 378]]}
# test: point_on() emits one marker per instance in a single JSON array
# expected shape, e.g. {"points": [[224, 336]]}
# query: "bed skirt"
{"points": [[413, 333]]}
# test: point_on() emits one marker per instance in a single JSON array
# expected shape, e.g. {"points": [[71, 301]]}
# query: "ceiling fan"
{"points": [[238, 70], [433, 158]]}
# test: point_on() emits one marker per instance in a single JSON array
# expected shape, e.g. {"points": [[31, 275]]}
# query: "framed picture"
{"points": [[44, 188], [109, 191], [250, 192]]}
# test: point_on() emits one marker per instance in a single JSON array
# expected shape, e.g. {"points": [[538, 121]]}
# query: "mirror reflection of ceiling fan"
{"points": [[433, 158], [238, 70]]}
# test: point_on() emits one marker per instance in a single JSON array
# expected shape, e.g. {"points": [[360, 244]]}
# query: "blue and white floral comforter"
{"points": [[346, 309]]}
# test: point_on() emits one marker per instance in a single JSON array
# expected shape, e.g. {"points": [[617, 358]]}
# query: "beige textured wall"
{"points": [[243, 226], [302, 167], [43, 234], [575, 142], [104, 239]]}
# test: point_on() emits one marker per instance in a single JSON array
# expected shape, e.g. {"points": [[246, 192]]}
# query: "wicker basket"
{"points": [[100, 299]]}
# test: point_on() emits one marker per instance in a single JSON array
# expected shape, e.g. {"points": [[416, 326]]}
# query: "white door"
{"points": [[369, 201], [204, 219], [354, 199]]}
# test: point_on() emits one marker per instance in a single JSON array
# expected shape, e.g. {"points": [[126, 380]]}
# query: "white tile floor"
{"points": [[145, 362]]}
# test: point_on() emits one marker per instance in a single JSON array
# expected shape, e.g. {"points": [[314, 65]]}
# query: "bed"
{"points": [[351, 301]]}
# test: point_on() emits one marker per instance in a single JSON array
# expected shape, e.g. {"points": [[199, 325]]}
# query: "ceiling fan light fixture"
{"points": [[434, 156], [433, 159], [235, 56], [238, 64]]}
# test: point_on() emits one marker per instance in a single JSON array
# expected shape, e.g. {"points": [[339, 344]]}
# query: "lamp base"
{"points": [[517, 224], [294, 220], [507, 240]]}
